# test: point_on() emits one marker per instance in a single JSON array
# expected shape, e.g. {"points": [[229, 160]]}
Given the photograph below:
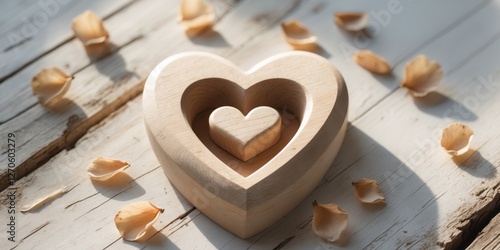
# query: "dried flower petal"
{"points": [[368, 191], [298, 36], [329, 221], [102, 169], [196, 15], [50, 85], [421, 76], [351, 21], [133, 220], [89, 28], [42, 201], [456, 138], [372, 62]]}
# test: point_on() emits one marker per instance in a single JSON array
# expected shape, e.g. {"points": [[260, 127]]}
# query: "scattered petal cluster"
{"points": [[421, 76]]}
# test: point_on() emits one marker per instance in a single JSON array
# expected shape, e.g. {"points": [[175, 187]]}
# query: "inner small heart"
{"points": [[205, 96], [245, 136]]}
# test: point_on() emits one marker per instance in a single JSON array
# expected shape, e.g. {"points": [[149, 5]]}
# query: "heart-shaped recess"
{"points": [[204, 96], [245, 136], [245, 197]]}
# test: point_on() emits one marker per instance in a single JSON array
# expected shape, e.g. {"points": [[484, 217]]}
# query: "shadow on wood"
{"points": [[129, 191], [321, 51], [66, 105], [360, 156], [363, 157], [440, 105], [389, 80], [119, 180], [114, 67], [209, 38], [155, 238], [476, 165]]}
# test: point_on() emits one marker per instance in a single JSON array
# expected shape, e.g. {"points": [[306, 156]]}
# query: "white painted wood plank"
{"points": [[412, 140], [369, 151], [396, 41], [98, 88], [394, 177], [119, 78], [421, 168], [35, 27], [413, 217], [86, 146], [15, 92], [22, 100], [89, 208]]}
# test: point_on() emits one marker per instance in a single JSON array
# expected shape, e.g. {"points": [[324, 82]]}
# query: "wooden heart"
{"points": [[245, 136], [245, 197]]}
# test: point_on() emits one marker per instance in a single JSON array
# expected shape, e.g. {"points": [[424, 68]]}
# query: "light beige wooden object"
{"points": [[245, 197], [245, 136]]}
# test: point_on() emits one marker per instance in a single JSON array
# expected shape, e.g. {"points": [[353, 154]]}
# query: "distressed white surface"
{"points": [[31, 28], [392, 137]]}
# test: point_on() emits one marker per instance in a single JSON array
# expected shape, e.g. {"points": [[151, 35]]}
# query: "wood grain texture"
{"points": [[489, 238], [245, 136], [366, 90], [31, 29], [378, 113], [304, 84], [118, 76], [19, 84], [89, 208], [403, 231], [473, 217]]}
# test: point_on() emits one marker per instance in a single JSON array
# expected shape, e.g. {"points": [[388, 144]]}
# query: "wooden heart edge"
{"points": [[220, 199]]}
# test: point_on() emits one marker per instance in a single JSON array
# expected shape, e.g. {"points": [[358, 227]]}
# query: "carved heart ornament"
{"points": [[245, 136], [245, 197]]}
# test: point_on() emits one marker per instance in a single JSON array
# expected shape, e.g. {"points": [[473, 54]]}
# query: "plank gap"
{"points": [[474, 222], [283, 243], [68, 139], [62, 43]]}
